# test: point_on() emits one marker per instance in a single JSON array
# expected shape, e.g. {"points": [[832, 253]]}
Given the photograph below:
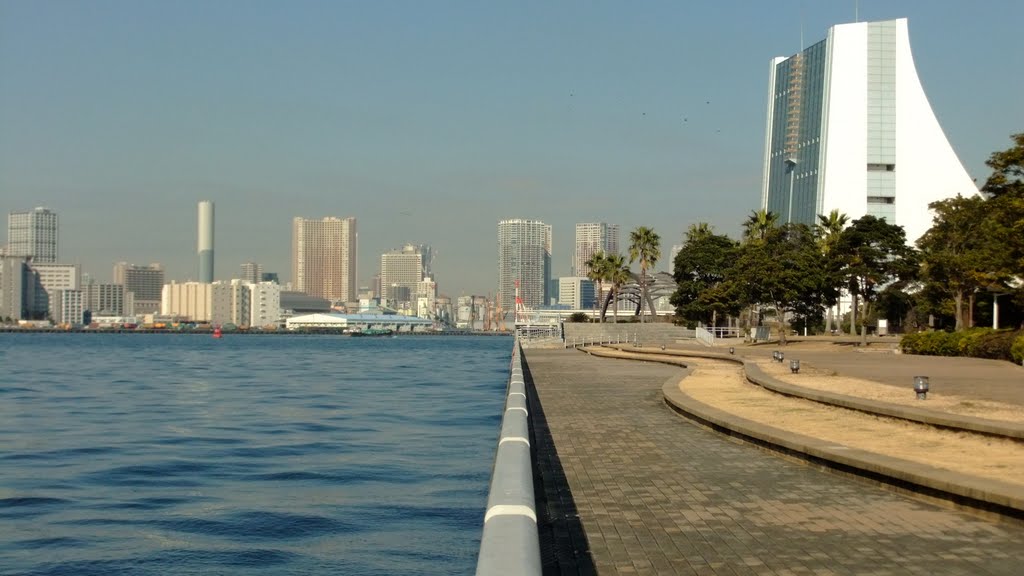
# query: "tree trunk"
{"points": [[853, 314], [828, 322], [958, 307], [643, 293], [782, 324], [863, 335], [970, 311]]}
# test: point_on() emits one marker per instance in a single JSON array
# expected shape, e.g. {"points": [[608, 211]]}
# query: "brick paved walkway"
{"points": [[657, 494]]}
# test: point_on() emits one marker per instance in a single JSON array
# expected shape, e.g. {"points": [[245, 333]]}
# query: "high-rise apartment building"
{"points": [[33, 234], [591, 238], [403, 268], [524, 256], [145, 282], [850, 129], [205, 241], [252, 272], [324, 258]]}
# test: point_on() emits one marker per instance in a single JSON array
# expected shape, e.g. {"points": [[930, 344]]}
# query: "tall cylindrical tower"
{"points": [[206, 241]]}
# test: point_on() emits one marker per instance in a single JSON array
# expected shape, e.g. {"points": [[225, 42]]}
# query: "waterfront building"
{"points": [[576, 292], [524, 256], [17, 289], [230, 303], [33, 234], [252, 272], [591, 238], [192, 300], [106, 299], [67, 307], [205, 242], [849, 128], [49, 279], [426, 298], [404, 268], [324, 257], [264, 304], [144, 282], [464, 312]]}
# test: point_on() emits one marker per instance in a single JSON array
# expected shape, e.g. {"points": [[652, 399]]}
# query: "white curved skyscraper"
{"points": [[850, 129]]}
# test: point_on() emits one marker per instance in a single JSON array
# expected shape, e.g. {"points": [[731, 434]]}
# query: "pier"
{"points": [[630, 486]]}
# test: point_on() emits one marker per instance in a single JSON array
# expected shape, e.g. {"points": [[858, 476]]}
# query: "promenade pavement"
{"points": [[629, 487], [974, 377]]}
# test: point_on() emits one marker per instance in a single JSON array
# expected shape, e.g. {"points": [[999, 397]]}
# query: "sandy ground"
{"points": [[827, 380], [721, 384]]}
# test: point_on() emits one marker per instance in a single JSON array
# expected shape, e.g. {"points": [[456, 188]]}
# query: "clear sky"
{"points": [[430, 121]]}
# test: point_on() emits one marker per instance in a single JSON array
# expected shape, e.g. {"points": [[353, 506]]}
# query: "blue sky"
{"points": [[430, 121]]}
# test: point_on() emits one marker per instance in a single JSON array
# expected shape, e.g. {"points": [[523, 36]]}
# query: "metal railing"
{"points": [[510, 543]]}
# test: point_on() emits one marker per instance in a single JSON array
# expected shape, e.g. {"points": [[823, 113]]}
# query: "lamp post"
{"points": [[791, 168]]}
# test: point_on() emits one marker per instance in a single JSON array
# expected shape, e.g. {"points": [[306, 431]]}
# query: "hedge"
{"points": [[976, 343]]}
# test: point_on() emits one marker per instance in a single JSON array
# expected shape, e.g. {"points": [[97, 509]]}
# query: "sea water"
{"points": [[183, 454]]}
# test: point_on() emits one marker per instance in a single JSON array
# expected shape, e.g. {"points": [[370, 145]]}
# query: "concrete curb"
{"points": [[970, 491], [755, 375]]}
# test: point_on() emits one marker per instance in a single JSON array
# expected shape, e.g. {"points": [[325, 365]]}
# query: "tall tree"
{"points": [[783, 270], [957, 252], [829, 229], [700, 266], [597, 271], [876, 254], [645, 247], [1007, 170]]}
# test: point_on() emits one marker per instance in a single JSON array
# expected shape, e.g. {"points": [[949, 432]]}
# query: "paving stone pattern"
{"points": [[657, 494]]}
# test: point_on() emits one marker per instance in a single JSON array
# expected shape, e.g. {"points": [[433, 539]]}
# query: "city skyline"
{"points": [[651, 117]]}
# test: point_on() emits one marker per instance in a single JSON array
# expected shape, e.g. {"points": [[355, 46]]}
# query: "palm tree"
{"points": [[645, 246], [758, 225], [597, 271], [699, 231], [617, 273], [829, 229]]}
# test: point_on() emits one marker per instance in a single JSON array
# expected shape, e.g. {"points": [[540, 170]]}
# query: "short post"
{"points": [[732, 349], [921, 387], [794, 366]]}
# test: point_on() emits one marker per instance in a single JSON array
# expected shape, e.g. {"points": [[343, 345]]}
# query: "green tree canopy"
{"points": [[783, 270], [961, 253], [700, 266], [1007, 170], [875, 254]]}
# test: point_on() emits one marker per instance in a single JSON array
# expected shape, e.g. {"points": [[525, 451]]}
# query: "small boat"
{"points": [[373, 332], [217, 333]]}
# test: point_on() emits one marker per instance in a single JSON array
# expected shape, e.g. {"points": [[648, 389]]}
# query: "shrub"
{"points": [[932, 344], [1017, 350], [994, 344], [579, 317]]}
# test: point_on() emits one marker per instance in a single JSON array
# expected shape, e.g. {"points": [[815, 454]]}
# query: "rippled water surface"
{"points": [[181, 454]]}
